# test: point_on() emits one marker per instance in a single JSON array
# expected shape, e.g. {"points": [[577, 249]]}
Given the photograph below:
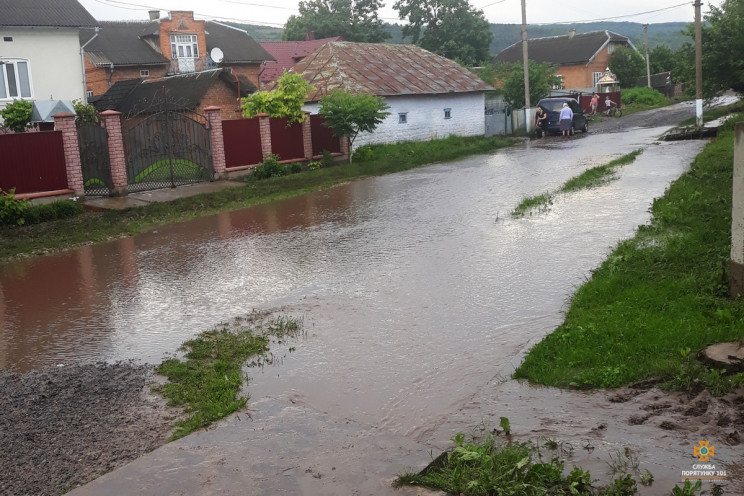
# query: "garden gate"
{"points": [[166, 146], [94, 159]]}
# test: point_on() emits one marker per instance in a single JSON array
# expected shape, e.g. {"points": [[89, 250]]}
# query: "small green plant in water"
{"points": [[687, 489]]}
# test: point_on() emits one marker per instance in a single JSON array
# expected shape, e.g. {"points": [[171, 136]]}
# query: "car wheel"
{"points": [[585, 129], [573, 130]]}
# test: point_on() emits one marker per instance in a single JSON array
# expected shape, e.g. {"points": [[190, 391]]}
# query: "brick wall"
{"points": [[100, 79], [182, 22], [222, 95]]}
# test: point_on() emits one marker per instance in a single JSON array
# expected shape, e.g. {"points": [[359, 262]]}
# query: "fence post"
{"points": [[307, 137], [736, 277], [65, 122], [214, 121], [111, 121], [264, 124]]}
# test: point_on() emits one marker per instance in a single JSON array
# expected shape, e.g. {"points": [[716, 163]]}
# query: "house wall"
{"points": [[182, 22], [581, 76], [54, 59], [220, 94], [100, 79], [425, 118], [250, 71]]}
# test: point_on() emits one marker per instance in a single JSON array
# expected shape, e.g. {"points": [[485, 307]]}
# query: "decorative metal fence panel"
{"points": [[287, 141], [242, 138], [166, 149], [323, 138], [32, 162], [95, 160]]}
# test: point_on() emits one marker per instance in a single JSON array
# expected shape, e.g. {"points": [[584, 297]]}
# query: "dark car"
{"points": [[553, 108]]}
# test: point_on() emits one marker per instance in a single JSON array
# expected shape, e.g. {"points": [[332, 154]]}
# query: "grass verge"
{"points": [[590, 178], [659, 297], [92, 227], [207, 382], [485, 466]]}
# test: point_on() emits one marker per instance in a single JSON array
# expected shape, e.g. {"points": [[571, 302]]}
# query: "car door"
{"points": [[579, 119]]}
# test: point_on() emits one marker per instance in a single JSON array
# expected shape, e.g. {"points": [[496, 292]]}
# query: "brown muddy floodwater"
{"points": [[417, 289]]}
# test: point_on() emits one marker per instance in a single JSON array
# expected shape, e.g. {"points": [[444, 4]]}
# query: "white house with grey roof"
{"points": [[40, 56], [429, 96]]}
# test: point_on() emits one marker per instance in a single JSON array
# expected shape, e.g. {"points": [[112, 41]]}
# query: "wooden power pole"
{"points": [[525, 60], [648, 65]]}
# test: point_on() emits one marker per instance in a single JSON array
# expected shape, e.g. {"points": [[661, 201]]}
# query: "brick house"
{"points": [[581, 58], [167, 46], [191, 91], [429, 96]]}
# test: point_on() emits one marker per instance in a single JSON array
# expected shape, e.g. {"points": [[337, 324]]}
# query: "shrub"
{"points": [[314, 165], [295, 167], [12, 211], [17, 115], [46, 212], [645, 96], [327, 160], [362, 153], [86, 113], [269, 168]]}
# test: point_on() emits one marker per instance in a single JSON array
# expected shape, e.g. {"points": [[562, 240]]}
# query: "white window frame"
{"points": [[610, 48], [402, 117], [448, 113], [184, 46], [559, 86], [22, 91], [144, 73]]}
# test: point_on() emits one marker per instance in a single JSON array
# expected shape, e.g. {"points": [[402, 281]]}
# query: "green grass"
{"points": [[208, 381], [591, 178], [659, 297], [716, 112], [93, 227]]}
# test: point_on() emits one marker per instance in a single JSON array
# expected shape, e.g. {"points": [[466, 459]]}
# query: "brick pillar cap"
{"points": [[261, 115], [64, 115], [110, 112], [211, 108]]}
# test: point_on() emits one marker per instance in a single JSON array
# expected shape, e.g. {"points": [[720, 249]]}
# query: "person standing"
{"points": [[594, 102], [540, 120], [566, 119]]}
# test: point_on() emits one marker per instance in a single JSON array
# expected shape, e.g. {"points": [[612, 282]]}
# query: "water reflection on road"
{"points": [[417, 288]]}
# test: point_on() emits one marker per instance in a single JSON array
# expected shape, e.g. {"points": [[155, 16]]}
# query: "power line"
{"points": [[619, 17]]}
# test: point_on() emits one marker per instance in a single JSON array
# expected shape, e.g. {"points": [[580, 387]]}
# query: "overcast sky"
{"points": [[275, 12]]}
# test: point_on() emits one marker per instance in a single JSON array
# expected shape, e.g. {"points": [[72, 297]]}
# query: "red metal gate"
{"points": [[32, 162], [242, 139]]}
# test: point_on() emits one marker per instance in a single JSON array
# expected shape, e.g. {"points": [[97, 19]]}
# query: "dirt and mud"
{"points": [[63, 426]]}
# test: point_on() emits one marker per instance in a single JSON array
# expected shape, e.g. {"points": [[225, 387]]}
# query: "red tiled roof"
{"points": [[287, 54], [383, 69]]}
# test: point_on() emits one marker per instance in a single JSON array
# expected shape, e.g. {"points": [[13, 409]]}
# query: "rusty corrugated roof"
{"points": [[383, 69]]}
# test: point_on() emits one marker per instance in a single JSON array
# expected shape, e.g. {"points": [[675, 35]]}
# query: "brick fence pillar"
{"points": [[307, 137], [264, 125], [111, 121], [65, 122], [214, 123]]}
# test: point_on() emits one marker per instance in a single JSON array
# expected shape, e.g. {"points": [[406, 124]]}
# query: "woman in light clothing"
{"points": [[566, 119]]}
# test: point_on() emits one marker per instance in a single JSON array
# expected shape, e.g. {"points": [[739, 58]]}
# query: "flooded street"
{"points": [[418, 290]]}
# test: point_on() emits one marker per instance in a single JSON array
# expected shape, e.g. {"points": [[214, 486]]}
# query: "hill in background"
{"points": [[668, 33]]}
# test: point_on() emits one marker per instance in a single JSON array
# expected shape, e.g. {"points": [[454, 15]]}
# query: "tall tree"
{"points": [[354, 20], [451, 28], [723, 48], [661, 59], [542, 79], [628, 65]]}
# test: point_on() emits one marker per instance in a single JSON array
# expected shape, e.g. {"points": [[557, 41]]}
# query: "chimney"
{"points": [[154, 14], [309, 36], [571, 33]]}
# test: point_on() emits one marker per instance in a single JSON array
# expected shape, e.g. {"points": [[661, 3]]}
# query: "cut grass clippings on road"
{"points": [[93, 227], [207, 382], [591, 178], [659, 298]]}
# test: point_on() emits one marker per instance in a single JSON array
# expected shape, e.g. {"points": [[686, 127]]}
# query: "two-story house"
{"points": [[166, 46], [581, 58], [40, 56]]}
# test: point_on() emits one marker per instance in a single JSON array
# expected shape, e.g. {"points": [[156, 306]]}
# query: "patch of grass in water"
{"points": [[207, 382]]}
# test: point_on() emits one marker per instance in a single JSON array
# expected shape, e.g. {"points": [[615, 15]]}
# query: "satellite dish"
{"points": [[216, 55]]}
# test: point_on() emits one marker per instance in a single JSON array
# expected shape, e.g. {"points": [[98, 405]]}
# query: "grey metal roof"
{"points": [[562, 50], [235, 44], [119, 43], [384, 69], [47, 13], [183, 91]]}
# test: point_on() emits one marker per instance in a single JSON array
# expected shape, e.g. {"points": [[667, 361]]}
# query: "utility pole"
{"points": [[525, 61], [698, 66], [648, 65]]}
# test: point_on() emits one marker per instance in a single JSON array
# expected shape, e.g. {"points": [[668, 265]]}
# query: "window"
{"points": [[596, 76], [184, 46], [448, 113], [559, 84], [89, 93], [403, 118], [144, 72], [7, 38], [15, 79], [610, 48]]}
